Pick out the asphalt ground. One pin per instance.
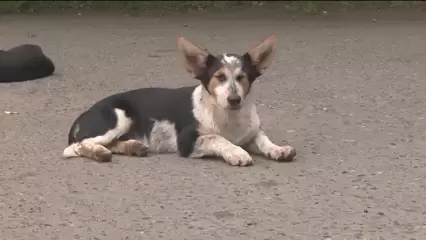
(349, 94)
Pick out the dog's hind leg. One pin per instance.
(102, 153)
(89, 150)
(96, 134)
(261, 144)
(129, 147)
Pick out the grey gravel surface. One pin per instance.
(349, 95)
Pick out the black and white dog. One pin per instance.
(23, 63)
(216, 118)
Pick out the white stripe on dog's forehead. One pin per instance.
(230, 59)
(231, 62)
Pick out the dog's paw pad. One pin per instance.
(102, 156)
(283, 154)
(138, 149)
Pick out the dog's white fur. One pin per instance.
(223, 130)
(228, 133)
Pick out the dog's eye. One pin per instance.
(221, 78)
(240, 78)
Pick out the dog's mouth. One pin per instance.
(234, 107)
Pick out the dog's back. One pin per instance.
(24, 62)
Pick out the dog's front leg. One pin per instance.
(261, 144)
(216, 145)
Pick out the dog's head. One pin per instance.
(228, 77)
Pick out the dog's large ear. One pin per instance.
(195, 57)
(263, 54)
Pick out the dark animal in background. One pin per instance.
(23, 63)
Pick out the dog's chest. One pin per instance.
(239, 131)
(236, 128)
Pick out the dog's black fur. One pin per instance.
(141, 105)
(23, 63)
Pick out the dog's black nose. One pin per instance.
(234, 100)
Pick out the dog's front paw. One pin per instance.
(283, 154)
(238, 157)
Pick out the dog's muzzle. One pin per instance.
(234, 101)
